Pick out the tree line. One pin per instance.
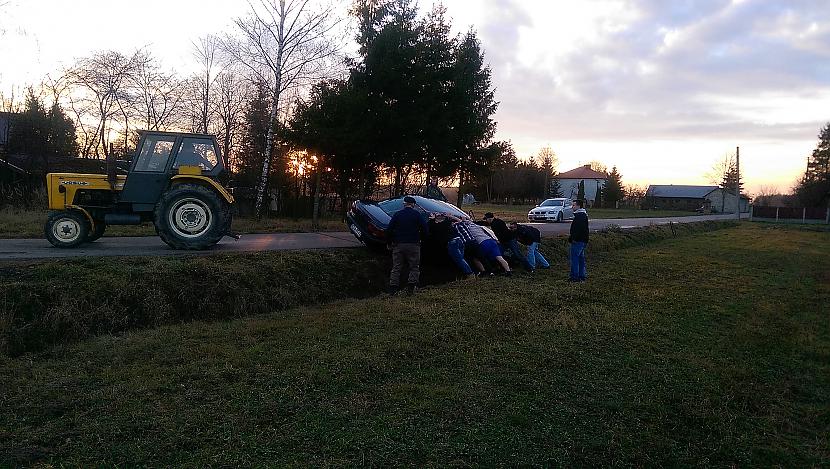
(295, 116)
(415, 104)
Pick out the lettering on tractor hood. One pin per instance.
(74, 183)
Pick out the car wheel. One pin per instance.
(66, 229)
(191, 217)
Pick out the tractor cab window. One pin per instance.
(197, 152)
(154, 154)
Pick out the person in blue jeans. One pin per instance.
(445, 234)
(506, 238)
(579, 241)
(530, 237)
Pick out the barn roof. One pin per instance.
(583, 172)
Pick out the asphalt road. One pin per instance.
(14, 249)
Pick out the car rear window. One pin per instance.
(391, 206)
(425, 205)
(431, 205)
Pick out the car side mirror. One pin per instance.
(537, 205)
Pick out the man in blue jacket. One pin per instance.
(579, 241)
(406, 231)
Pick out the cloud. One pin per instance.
(652, 69)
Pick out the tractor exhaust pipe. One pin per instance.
(122, 219)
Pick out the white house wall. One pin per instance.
(570, 188)
(724, 202)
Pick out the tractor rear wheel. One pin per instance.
(66, 229)
(191, 216)
(97, 232)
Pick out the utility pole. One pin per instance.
(738, 182)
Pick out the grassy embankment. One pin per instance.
(61, 301)
(29, 224)
(712, 349)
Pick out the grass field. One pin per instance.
(519, 212)
(709, 350)
(29, 224)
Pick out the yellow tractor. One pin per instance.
(173, 182)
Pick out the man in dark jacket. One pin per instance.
(506, 237)
(406, 231)
(579, 241)
(530, 237)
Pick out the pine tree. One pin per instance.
(556, 186)
(614, 191)
(248, 162)
(730, 175)
(580, 194)
(472, 106)
(42, 134)
(814, 188)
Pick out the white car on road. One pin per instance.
(552, 210)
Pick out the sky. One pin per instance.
(660, 88)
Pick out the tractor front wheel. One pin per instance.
(66, 229)
(191, 217)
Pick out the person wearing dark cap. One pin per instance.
(579, 241)
(506, 237)
(406, 231)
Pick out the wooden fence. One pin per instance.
(791, 214)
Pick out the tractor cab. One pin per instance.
(160, 156)
(173, 182)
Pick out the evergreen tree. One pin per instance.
(547, 161)
(39, 133)
(473, 106)
(580, 194)
(730, 175)
(614, 191)
(248, 162)
(392, 74)
(813, 189)
(556, 186)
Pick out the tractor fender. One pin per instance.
(86, 214)
(179, 178)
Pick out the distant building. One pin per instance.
(594, 181)
(705, 198)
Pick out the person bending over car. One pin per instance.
(486, 245)
(507, 238)
(530, 237)
(406, 231)
(444, 233)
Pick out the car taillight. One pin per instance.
(375, 231)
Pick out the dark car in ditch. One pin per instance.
(368, 220)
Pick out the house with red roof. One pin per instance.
(593, 180)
